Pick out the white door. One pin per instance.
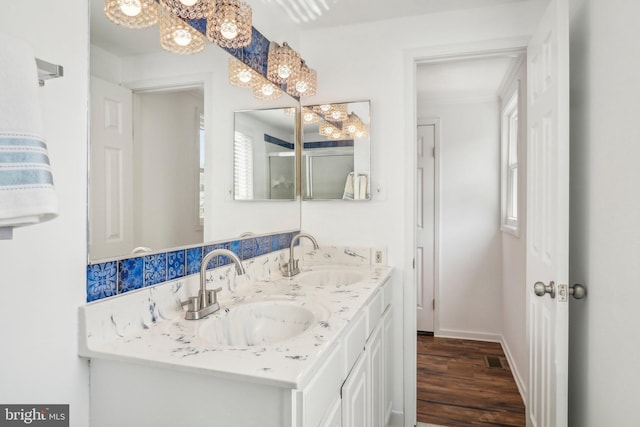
(548, 217)
(111, 152)
(425, 226)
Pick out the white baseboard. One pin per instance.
(514, 370)
(468, 335)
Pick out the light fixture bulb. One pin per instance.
(336, 115)
(351, 128)
(130, 7)
(308, 117)
(188, 2)
(325, 107)
(284, 71)
(267, 89)
(229, 30)
(302, 86)
(244, 76)
(182, 37)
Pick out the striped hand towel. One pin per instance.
(26, 184)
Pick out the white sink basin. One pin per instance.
(337, 277)
(260, 323)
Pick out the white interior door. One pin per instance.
(548, 217)
(111, 159)
(425, 226)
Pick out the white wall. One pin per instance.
(376, 72)
(42, 278)
(167, 172)
(514, 325)
(605, 208)
(469, 303)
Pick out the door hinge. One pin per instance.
(433, 304)
(414, 263)
(433, 152)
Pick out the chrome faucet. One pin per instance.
(206, 302)
(291, 268)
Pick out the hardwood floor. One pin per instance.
(457, 388)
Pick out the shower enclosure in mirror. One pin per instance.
(336, 153)
(264, 154)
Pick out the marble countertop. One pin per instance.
(149, 327)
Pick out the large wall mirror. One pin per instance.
(162, 148)
(336, 156)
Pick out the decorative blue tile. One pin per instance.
(111, 278)
(263, 245)
(221, 260)
(236, 248)
(130, 274)
(155, 269)
(248, 248)
(175, 264)
(101, 280)
(194, 257)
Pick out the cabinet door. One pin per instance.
(376, 378)
(334, 415)
(387, 377)
(355, 396)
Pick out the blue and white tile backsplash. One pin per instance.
(111, 278)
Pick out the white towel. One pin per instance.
(26, 184)
(348, 187)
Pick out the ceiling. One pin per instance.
(462, 80)
(119, 40)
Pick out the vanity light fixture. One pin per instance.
(362, 132)
(241, 75)
(283, 63)
(176, 35)
(352, 124)
(229, 23)
(264, 89)
(308, 116)
(188, 9)
(326, 128)
(132, 13)
(305, 84)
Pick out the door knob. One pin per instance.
(541, 289)
(577, 291)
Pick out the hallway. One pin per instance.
(457, 386)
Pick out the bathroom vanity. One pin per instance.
(310, 350)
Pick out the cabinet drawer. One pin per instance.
(354, 341)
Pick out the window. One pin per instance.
(243, 166)
(510, 165)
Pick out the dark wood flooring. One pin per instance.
(457, 388)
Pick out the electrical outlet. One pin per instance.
(378, 257)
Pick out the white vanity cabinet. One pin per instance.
(348, 385)
(366, 393)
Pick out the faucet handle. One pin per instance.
(191, 304)
(213, 295)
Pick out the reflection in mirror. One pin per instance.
(336, 159)
(264, 154)
(137, 198)
(146, 153)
